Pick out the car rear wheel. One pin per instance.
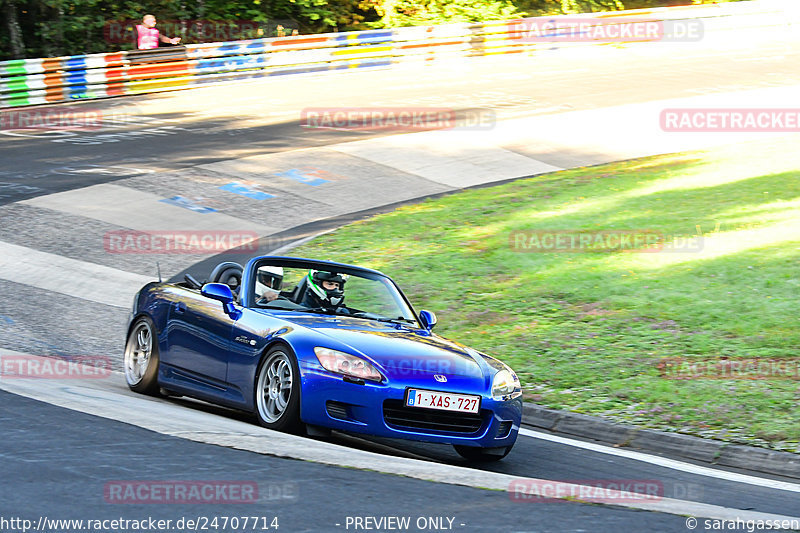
(278, 391)
(141, 358)
(484, 455)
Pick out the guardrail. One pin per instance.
(42, 81)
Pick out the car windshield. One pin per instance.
(328, 290)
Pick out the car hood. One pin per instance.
(397, 349)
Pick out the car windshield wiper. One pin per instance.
(322, 310)
(400, 321)
(344, 311)
(283, 306)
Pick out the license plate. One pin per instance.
(444, 401)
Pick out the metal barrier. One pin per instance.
(41, 81)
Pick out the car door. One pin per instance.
(250, 337)
(199, 337)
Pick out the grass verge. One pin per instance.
(587, 331)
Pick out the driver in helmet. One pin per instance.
(324, 289)
(269, 280)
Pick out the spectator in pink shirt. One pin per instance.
(149, 36)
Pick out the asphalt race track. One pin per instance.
(69, 473)
(64, 292)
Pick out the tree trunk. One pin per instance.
(14, 31)
(60, 31)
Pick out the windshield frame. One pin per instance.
(247, 289)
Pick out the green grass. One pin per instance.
(586, 331)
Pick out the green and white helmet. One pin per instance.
(326, 297)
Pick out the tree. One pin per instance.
(424, 12)
(9, 10)
(42, 28)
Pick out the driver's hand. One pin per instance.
(267, 297)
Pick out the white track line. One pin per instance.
(666, 463)
(64, 275)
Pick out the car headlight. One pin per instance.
(505, 383)
(346, 364)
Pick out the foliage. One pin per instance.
(424, 12)
(46, 28)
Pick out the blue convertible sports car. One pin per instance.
(307, 345)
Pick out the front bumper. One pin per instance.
(377, 409)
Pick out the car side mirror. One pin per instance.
(222, 293)
(428, 319)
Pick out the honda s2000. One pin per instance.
(309, 344)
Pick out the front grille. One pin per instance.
(337, 410)
(395, 413)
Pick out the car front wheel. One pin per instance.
(277, 391)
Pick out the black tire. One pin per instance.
(277, 391)
(480, 455)
(141, 359)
